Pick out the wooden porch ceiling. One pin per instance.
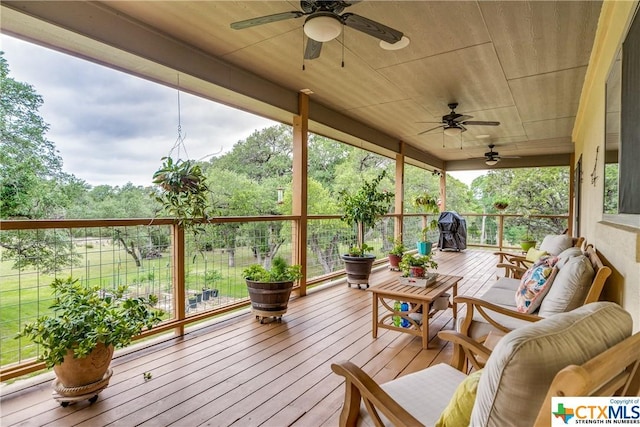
(521, 63)
(239, 372)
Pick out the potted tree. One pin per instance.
(429, 205)
(183, 192)
(270, 289)
(396, 253)
(363, 208)
(79, 338)
(500, 203)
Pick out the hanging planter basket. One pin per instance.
(183, 191)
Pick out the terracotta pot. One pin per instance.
(394, 261)
(78, 372)
(415, 271)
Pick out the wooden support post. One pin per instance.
(178, 272)
(399, 196)
(299, 199)
(572, 189)
(443, 191)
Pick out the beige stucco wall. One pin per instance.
(618, 245)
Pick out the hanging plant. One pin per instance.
(183, 191)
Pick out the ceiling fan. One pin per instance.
(491, 157)
(324, 22)
(454, 123)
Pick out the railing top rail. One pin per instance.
(38, 224)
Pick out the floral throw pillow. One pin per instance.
(535, 284)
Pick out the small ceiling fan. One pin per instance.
(324, 22)
(491, 158)
(454, 123)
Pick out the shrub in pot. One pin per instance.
(87, 324)
(362, 209)
(429, 205)
(396, 253)
(417, 265)
(270, 289)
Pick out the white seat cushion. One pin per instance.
(519, 372)
(424, 394)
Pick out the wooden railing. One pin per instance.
(180, 262)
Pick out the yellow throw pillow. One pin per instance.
(458, 411)
(534, 254)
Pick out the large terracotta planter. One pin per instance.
(358, 269)
(82, 378)
(78, 372)
(269, 299)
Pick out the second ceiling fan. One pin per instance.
(454, 123)
(324, 23)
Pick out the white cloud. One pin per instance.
(113, 128)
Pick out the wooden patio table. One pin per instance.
(421, 298)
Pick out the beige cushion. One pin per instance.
(570, 287)
(567, 254)
(554, 244)
(424, 394)
(517, 376)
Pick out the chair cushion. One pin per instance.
(424, 394)
(458, 411)
(566, 255)
(534, 254)
(570, 287)
(554, 244)
(535, 284)
(519, 372)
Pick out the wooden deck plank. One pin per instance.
(237, 371)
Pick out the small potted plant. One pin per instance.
(396, 253)
(270, 289)
(363, 208)
(183, 192)
(417, 265)
(79, 338)
(527, 241)
(429, 205)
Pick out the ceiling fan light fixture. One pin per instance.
(322, 27)
(400, 44)
(491, 162)
(452, 131)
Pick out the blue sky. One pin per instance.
(113, 128)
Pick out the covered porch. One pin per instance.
(234, 371)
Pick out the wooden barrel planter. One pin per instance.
(269, 299)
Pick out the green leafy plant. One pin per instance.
(413, 260)
(280, 271)
(398, 248)
(359, 251)
(85, 316)
(427, 204)
(183, 191)
(500, 203)
(365, 206)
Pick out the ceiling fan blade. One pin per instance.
(430, 122)
(312, 51)
(266, 19)
(429, 130)
(370, 27)
(480, 123)
(461, 117)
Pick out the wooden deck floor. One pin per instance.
(241, 373)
